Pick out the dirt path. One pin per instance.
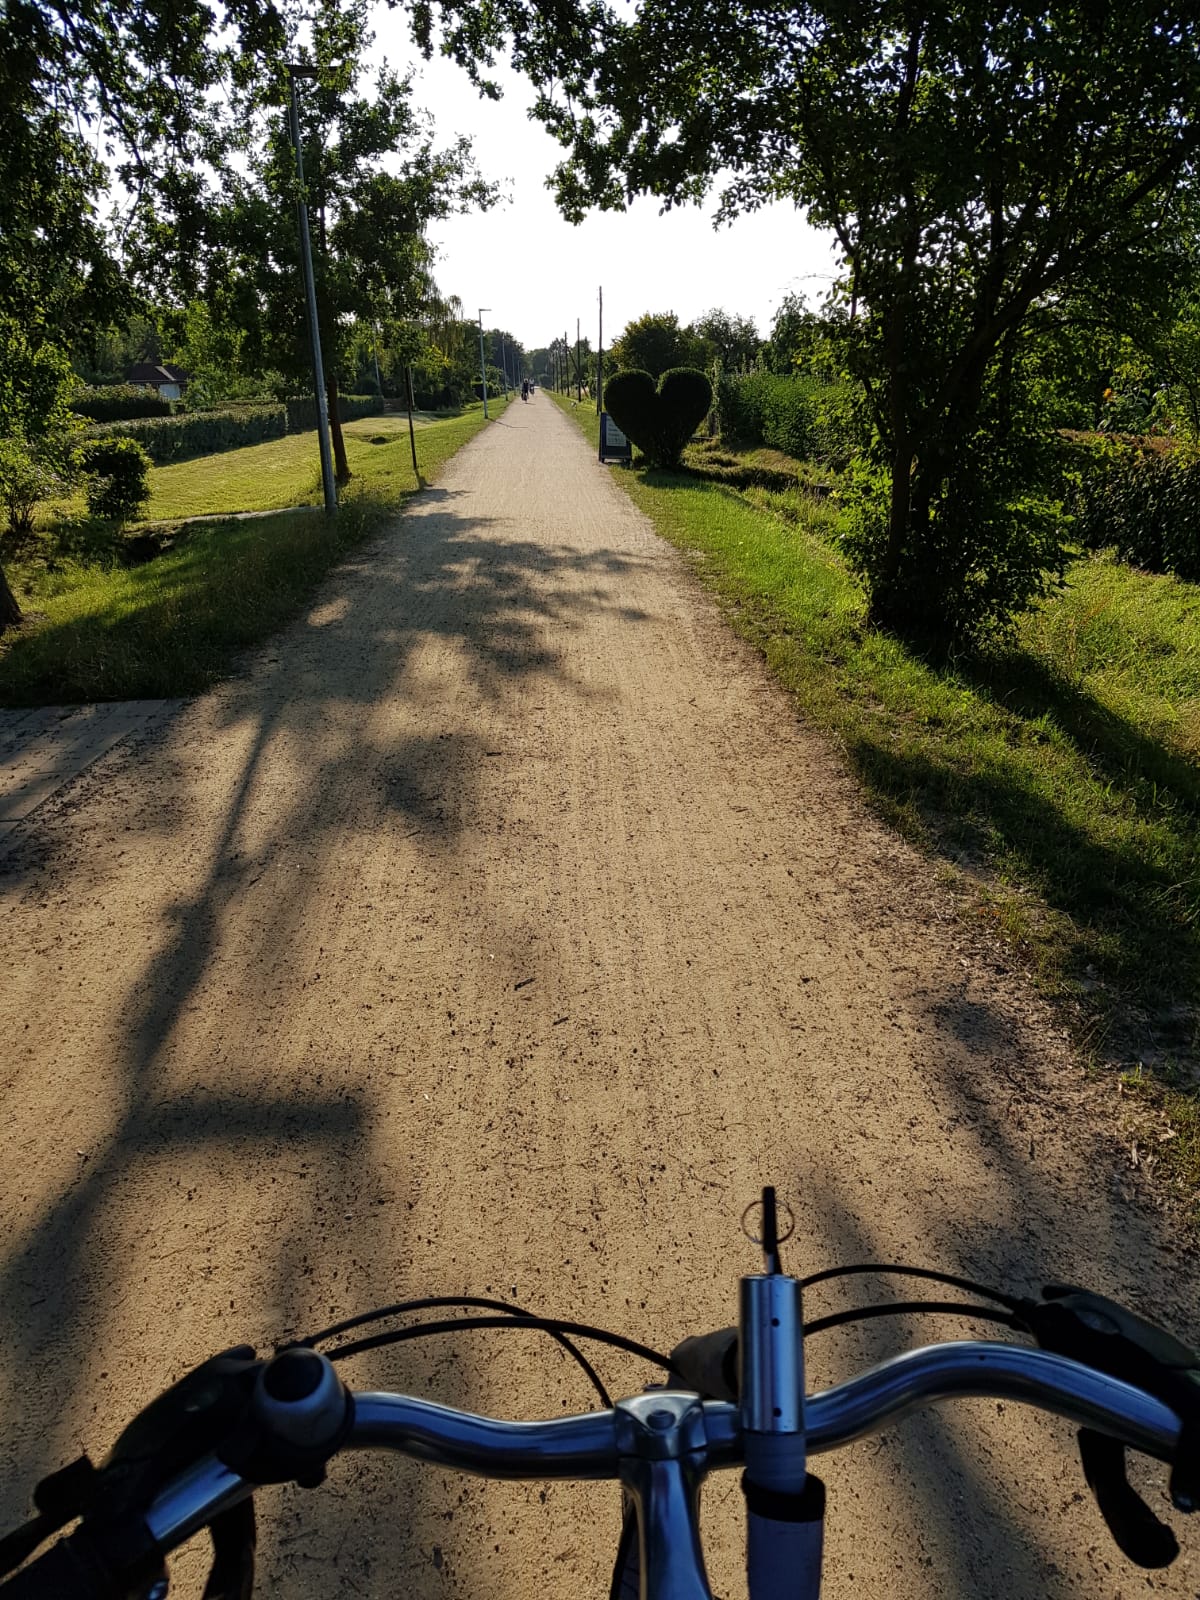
(502, 931)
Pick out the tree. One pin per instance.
(375, 180)
(979, 166)
(803, 340)
(731, 340)
(652, 343)
(36, 429)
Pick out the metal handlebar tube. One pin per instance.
(705, 1436)
(986, 1369)
(578, 1448)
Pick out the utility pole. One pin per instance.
(600, 355)
(412, 438)
(482, 362)
(578, 367)
(328, 481)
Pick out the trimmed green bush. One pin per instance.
(801, 416)
(1143, 498)
(302, 410)
(120, 402)
(168, 439)
(659, 419)
(116, 477)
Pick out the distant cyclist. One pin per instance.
(524, 388)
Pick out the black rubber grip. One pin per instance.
(67, 1571)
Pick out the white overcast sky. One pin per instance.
(537, 273)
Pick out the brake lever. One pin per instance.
(1103, 1334)
(174, 1431)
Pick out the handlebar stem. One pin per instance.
(663, 1453)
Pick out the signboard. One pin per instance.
(614, 446)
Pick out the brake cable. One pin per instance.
(434, 1302)
(1013, 1302)
(551, 1325)
(900, 1308)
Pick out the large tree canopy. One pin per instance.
(984, 168)
(374, 180)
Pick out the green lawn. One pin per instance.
(98, 628)
(1059, 779)
(287, 472)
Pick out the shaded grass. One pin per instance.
(100, 630)
(1058, 775)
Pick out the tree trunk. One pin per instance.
(10, 611)
(882, 610)
(341, 467)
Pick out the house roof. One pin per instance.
(152, 372)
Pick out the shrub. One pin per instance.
(116, 473)
(302, 409)
(120, 402)
(798, 415)
(1141, 498)
(985, 537)
(27, 477)
(167, 439)
(660, 420)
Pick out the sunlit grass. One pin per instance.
(102, 630)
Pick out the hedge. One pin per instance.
(800, 416)
(1141, 497)
(302, 410)
(119, 402)
(203, 433)
(116, 481)
(167, 439)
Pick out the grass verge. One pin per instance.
(98, 629)
(1058, 777)
(287, 472)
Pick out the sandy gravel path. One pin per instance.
(501, 930)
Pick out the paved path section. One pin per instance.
(501, 931)
(44, 749)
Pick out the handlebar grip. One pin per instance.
(69, 1570)
(708, 1364)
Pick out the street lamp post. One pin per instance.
(328, 481)
(482, 362)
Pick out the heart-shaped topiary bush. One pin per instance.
(661, 420)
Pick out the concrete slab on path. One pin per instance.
(43, 749)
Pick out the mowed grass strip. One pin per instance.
(1058, 777)
(287, 472)
(100, 630)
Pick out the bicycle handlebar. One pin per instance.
(586, 1447)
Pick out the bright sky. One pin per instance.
(537, 273)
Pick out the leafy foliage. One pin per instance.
(27, 477)
(730, 340)
(116, 475)
(801, 416)
(302, 410)
(652, 343)
(1143, 500)
(119, 402)
(987, 172)
(166, 439)
(659, 419)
